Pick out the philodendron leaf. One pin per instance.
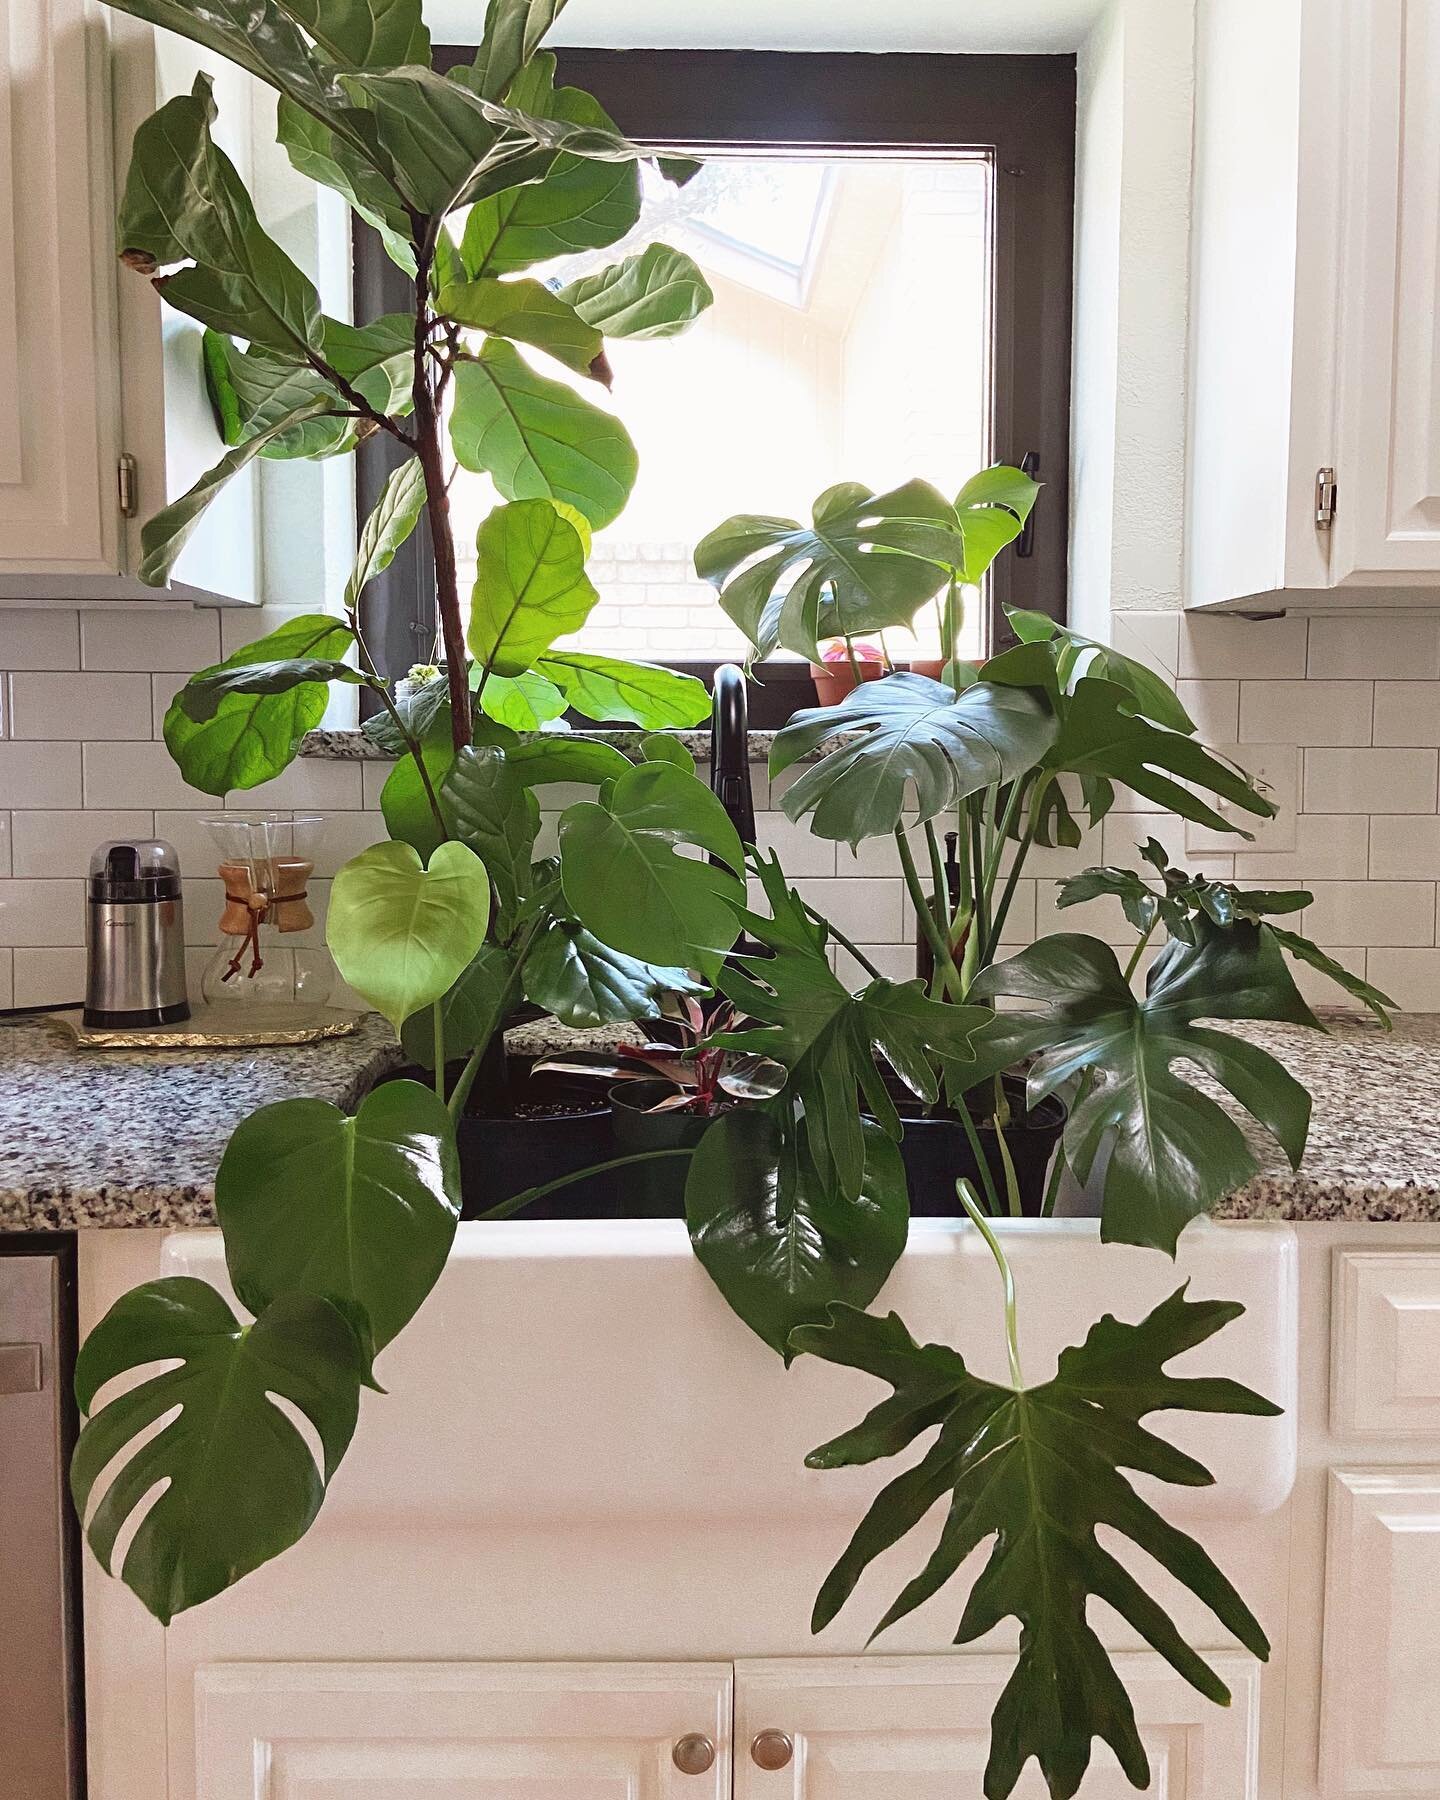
(585, 983)
(1038, 1472)
(357, 1210)
(1076, 655)
(392, 518)
(865, 563)
(538, 439)
(608, 688)
(251, 737)
(778, 1240)
(626, 881)
(401, 933)
(992, 508)
(241, 1484)
(915, 731)
(527, 312)
(491, 810)
(166, 534)
(185, 204)
(470, 1014)
(1173, 1150)
(530, 585)
(656, 294)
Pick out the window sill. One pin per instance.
(354, 746)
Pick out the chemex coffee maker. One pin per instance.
(134, 936)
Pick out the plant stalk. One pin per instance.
(844, 942)
(1139, 950)
(1012, 1336)
(977, 1150)
(939, 948)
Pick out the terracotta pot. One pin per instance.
(833, 681)
(933, 666)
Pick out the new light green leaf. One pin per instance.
(404, 802)
(779, 1241)
(656, 294)
(626, 881)
(522, 702)
(585, 983)
(538, 439)
(251, 737)
(918, 742)
(393, 517)
(359, 1210)
(528, 313)
(1038, 1473)
(530, 585)
(609, 688)
(240, 1482)
(401, 932)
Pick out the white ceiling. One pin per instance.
(798, 24)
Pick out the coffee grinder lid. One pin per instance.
(134, 869)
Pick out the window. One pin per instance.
(889, 241)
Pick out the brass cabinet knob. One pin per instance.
(772, 1749)
(693, 1754)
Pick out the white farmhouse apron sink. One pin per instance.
(567, 1374)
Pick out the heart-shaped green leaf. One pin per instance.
(537, 438)
(915, 735)
(1038, 1472)
(585, 983)
(530, 586)
(241, 1482)
(358, 1210)
(656, 294)
(778, 1241)
(401, 933)
(626, 882)
(365, 34)
(252, 736)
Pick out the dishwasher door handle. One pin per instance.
(21, 1371)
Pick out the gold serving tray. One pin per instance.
(217, 1028)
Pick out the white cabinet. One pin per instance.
(439, 1731)
(883, 1728)
(1315, 284)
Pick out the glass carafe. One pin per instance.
(266, 861)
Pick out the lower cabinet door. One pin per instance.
(460, 1731)
(918, 1728)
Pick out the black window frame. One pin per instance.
(1020, 110)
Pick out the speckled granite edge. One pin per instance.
(354, 746)
(1307, 1200)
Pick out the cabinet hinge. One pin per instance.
(1326, 491)
(125, 482)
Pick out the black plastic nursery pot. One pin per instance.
(937, 1153)
(652, 1190)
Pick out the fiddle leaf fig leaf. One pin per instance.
(561, 757)
(865, 563)
(1173, 1150)
(471, 1013)
(656, 294)
(776, 1238)
(915, 731)
(250, 736)
(1037, 1473)
(393, 517)
(585, 983)
(491, 810)
(522, 702)
(625, 879)
(327, 157)
(530, 586)
(538, 439)
(201, 696)
(240, 1483)
(401, 932)
(527, 312)
(357, 1210)
(514, 31)
(364, 34)
(609, 688)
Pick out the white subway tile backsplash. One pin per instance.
(136, 775)
(307, 783)
(1404, 848)
(1407, 712)
(1328, 846)
(1214, 706)
(5, 846)
(39, 639)
(1101, 918)
(150, 637)
(1392, 781)
(1360, 913)
(35, 774)
(1410, 977)
(49, 977)
(79, 706)
(1151, 638)
(894, 961)
(867, 911)
(37, 914)
(799, 850)
(57, 844)
(7, 978)
(163, 689)
(1305, 712)
(1386, 646)
(1217, 646)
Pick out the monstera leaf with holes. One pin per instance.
(585, 983)
(1037, 1473)
(866, 562)
(917, 738)
(1172, 1150)
(240, 1481)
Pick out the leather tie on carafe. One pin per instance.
(248, 905)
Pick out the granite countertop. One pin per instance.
(354, 746)
(134, 1138)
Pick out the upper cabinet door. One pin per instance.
(59, 511)
(918, 1728)
(458, 1731)
(1387, 523)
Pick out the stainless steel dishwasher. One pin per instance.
(41, 1740)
